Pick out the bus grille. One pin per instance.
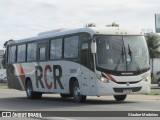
(128, 82)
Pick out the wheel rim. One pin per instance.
(77, 92)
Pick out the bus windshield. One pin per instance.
(122, 53)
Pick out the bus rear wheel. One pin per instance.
(78, 98)
(120, 97)
(30, 93)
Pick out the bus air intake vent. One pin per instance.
(133, 89)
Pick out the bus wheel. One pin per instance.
(65, 95)
(30, 93)
(120, 97)
(159, 83)
(78, 98)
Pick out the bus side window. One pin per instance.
(42, 53)
(21, 54)
(31, 51)
(56, 49)
(12, 54)
(71, 47)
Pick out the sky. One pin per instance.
(26, 18)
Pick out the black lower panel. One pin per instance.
(121, 90)
(14, 83)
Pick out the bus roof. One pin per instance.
(90, 30)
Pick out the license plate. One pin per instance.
(127, 91)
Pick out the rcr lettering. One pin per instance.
(57, 74)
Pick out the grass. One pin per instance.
(3, 87)
(153, 92)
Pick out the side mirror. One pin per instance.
(93, 47)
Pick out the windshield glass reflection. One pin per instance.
(122, 53)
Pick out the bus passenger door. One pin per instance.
(86, 67)
(42, 58)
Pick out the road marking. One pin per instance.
(145, 109)
(3, 109)
(63, 118)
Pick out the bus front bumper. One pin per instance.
(113, 88)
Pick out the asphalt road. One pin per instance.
(13, 100)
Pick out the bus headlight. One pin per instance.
(103, 79)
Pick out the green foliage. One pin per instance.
(153, 92)
(153, 42)
(4, 60)
(113, 25)
(3, 87)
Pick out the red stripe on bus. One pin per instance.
(110, 77)
(21, 74)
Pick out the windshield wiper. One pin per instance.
(122, 55)
(119, 60)
(131, 55)
(130, 52)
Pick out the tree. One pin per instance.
(153, 42)
(113, 25)
(4, 60)
(90, 25)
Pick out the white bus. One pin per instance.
(80, 62)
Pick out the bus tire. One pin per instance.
(65, 95)
(78, 98)
(158, 83)
(120, 97)
(30, 93)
